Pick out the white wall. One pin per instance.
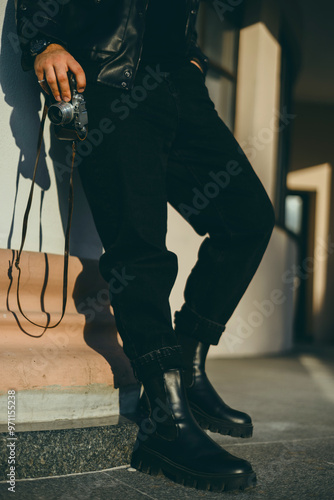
(20, 112)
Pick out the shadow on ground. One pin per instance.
(291, 399)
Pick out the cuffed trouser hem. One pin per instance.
(157, 361)
(188, 322)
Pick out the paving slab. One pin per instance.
(291, 400)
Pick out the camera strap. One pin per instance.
(67, 234)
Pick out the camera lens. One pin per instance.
(61, 114)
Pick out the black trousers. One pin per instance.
(164, 142)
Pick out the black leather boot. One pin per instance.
(171, 442)
(210, 411)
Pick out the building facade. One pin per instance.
(79, 368)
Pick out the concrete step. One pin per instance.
(67, 447)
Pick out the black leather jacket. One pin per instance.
(105, 36)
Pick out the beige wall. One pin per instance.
(267, 329)
(312, 137)
(320, 180)
(257, 103)
(252, 329)
(312, 146)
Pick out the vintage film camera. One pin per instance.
(70, 119)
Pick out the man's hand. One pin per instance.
(52, 65)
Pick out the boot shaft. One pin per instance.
(166, 403)
(194, 358)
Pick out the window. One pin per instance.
(286, 106)
(218, 38)
(293, 213)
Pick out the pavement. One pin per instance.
(291, 400)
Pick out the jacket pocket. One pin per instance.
(97, 29)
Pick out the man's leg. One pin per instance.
(213, 186)
(125, 182)
(124, 178)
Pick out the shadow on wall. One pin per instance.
(23, 96)
(22, 93)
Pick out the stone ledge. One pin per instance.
(76, 370)
(93, 445)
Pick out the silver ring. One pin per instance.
(40, 81)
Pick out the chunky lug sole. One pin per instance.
(217, 425)
(155, 464)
